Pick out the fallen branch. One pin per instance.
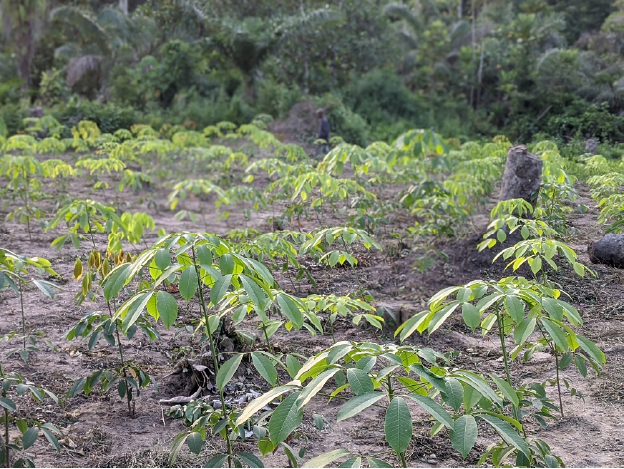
(181, 399)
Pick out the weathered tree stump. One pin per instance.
(609, 250)
(522, 176)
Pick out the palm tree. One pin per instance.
(100, 37)
(22, 25)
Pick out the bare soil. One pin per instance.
(97, 431)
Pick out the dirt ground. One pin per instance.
(97, 431)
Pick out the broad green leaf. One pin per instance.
(227, 370)
(398, 425)
(7, 404)
(454, 393)
(556, 333)
(438, 318)
(357, 404)
(132, 309)
(314, 386)
(590, 349)
(204, 255)
(285, 419)
(471, 315)
(352, 462)
(188, 283)
(195, 442)
(162, 259)
(265, 367)
(326, 458)
(515, 308)
(464, 434)
(359, 381)
(374, 462)
(290, 310)
(507, 433)
(116, 280)
(265, 446)
(167, 308)
(30, 437)
(292, 366)
(216, 461)
(258, 403)
(433, 408)
(220, 288)
(46, 287)
(248, 458)
(506, 389)
(51, 437)
(254, 292)
(523, 330)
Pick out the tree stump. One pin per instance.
(609, 250)
(522, 176)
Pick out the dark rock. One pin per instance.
(522, 176)
(609, 250)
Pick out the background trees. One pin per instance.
(465, 67)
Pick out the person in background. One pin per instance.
(323, 134)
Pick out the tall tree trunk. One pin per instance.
(123, 6)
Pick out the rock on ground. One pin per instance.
(609, 250)
(522, 176)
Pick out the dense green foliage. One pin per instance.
(464, 68)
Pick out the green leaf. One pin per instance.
(438, 318)
(115, 281)
(292, 366)
(290, 310)
(590, 349)
(216, 461)
(188, 283)
(374, 462)
(265, 367)
(220, 288)
(314, 386)
(30, 437)
(352, 462)
(398, 425)
(579, 269)
(248, 458)
(255, 293)
(471, 315)
(285, 419)
(46, 287)
(265, 446)
(167, 308)
(536, 264)
(507, 433)
(327, 458)
(258, 403)
(357, 404)
(556, 333)
(360, 381)
(51, 437)
(436, 410)
(454, 393)
(204, 255)
(195, 442)
(227, 370)
(523, 330)
(8, 404)
(506, 389)
(515, 308)
(162, 259)
(464, 434)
